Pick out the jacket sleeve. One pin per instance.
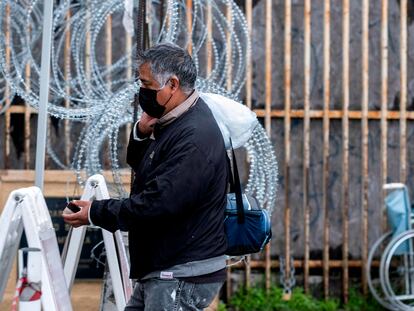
(136, 150)
(175, 185)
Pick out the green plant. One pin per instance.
(253, 298)
(221, 307)
(358, 302)
(256, 299)
(302, 301)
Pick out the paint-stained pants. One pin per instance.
(172, 295)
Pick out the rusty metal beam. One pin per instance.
(209, 49)
(229, 17)
(306, 139)
(299, 114)
(229, 86)
(128, 52)
(325, 177)
(7, 116)
(189, 20)
(106, 150)
(27, 114)
(334, 114)
(345, 149)
(365, 132)
(384, 108)
(67, 74)
(249, 20)
(313, 264)
(268, 103)
(403, 90)
(287, 121)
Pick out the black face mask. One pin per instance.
(148, 102)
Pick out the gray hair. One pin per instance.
(168, 59)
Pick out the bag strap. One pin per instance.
(243, 259)
(235, 186)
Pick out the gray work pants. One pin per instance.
(172, 295)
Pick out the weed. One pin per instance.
(257, 299)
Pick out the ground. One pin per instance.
(85, 296)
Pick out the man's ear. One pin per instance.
(174, 83)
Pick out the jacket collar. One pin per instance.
(172, 115)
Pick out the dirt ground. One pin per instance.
(85, 296)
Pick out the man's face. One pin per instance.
(148, 81)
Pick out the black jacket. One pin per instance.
(175, 213)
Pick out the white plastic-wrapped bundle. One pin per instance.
(235, 120)
(239, 123)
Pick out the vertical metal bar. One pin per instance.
(148, 24)
(7, 94)
(306, 138)
(27, 113)
(325, 181)
(268, 69)
(403, 91)
(44, 93)
(161, 12)
(345, 149)
(228, 282)
(128, 51)
(384, 99)
(406, 276)
(229, 86)
(249, 20)
(140, 33)
(88, 43)
(209, 50)
(248, 271)
(229, 16)
(364, 129)
(410, 262)
(108, 63)
(167, 16)
(7, 123)
(268, 107)
(287, 103)
(67, 74)
(108, 49)
(403, 108)
(48, 142)
(189, 16)
(410, 288)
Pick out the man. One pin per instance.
(175, 213)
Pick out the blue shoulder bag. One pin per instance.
(248, 227)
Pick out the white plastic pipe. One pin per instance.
(44, 94)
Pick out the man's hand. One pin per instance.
(146, 124)
(80, 218)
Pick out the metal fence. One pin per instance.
(318, 71)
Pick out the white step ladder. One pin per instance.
(26, 210)
(96, 189)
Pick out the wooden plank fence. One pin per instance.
(278, 113)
